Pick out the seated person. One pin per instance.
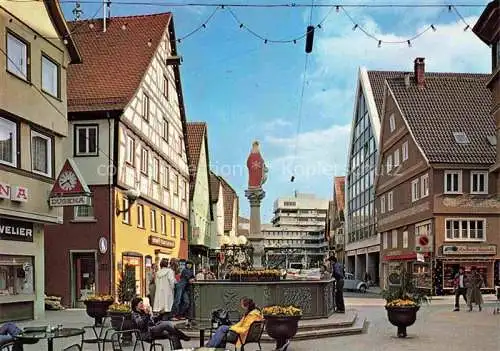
(226, 333)
(8, 333)
(151, 329)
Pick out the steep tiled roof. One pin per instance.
(196, 132)
(229, 203)
(114, 62)
(377, 82)
(449, 102)
(339, 192)
(214, 187)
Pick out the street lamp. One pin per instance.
(132, 195)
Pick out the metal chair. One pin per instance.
(7, 346)
(253, 336)
(284, 347)
(74, 347)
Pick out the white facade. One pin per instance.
(217, 228)
(301, 210)
(162, 175)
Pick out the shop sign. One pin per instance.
(103, 245)
(351, 253)
(373, 249)
(469, 249)
(361, 251)
(157, 241)
(70, 189)
(16, 230)
(14, 193)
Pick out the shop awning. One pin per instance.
(412, 256)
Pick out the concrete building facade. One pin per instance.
(300, 210)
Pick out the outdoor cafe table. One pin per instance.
(32, 337)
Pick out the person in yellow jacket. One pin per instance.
(227, 333)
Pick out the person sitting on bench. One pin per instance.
(238, 331)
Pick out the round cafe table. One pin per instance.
(32, 337)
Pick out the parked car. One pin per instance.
(353, 284)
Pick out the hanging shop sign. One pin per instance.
(103, 245)
(16, 230)
(158, 241)
(469, 250)
(70, 189)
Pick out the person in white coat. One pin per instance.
(164, 294)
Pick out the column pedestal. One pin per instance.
(255, 236)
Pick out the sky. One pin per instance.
(246, 89)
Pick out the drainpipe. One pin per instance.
(111, 171)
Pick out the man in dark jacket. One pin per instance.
(8, 333)
(151, 329)
(338, 273)
(182, 301)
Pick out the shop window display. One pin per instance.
(422, 275)
(16, 275)
(450, 270)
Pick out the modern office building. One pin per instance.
(362, 247)
(300, 210)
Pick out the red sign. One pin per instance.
(69, 181)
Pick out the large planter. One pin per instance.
(281, 328)
(402, 317)
(97, 310)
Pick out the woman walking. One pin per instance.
(164, 291)
(474, 284)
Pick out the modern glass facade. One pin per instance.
(361, 174)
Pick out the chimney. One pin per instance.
(407, 80)
(419, 70)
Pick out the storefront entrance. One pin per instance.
(83, 276)
(133, 270)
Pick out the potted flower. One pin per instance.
(403, 300)
(121, 316)
(97, 306)
(282, 323)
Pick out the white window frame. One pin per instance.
(460, 229)
(390, 201)
(166, 87)
(146, 106)
(48, 155)
(415, 190)
(404, 151)
(396, 158)
(144, 160)
(459, 185)
(140, 216)
(18, 66)
(405, 239)
(185, 192)
(479, 173)
(130, 150)
(52, 88)
(181, 234)
(166, 177)
(87, 151)
(153, 220)
(166, 130)
(382, 203)
(392, 122)
(424, 186)
(177, 185)
(173, 226)
(394, 239)
(163, 224)
(7, 123)
(76, 217)
(156, 169)
(385, 240)
(389, 163)
(126, 214)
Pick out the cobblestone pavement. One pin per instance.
(437, 329)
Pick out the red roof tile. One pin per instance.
(196, 134)
(114, 62)
(340, 193)
(229, 203)
(214, 187)
(449, 103)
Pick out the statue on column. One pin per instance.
(257, 170)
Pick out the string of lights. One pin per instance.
(271, 5)
(201, 26)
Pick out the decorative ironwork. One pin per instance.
(300, 297)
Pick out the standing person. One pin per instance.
(460, 288)
(164, 290)
(474, 284)
(152, 285)
(338, 274)
(182, 300)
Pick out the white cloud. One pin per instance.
(277, 124)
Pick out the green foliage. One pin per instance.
(403, 287)
(126, 285)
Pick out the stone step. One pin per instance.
(337, 325)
